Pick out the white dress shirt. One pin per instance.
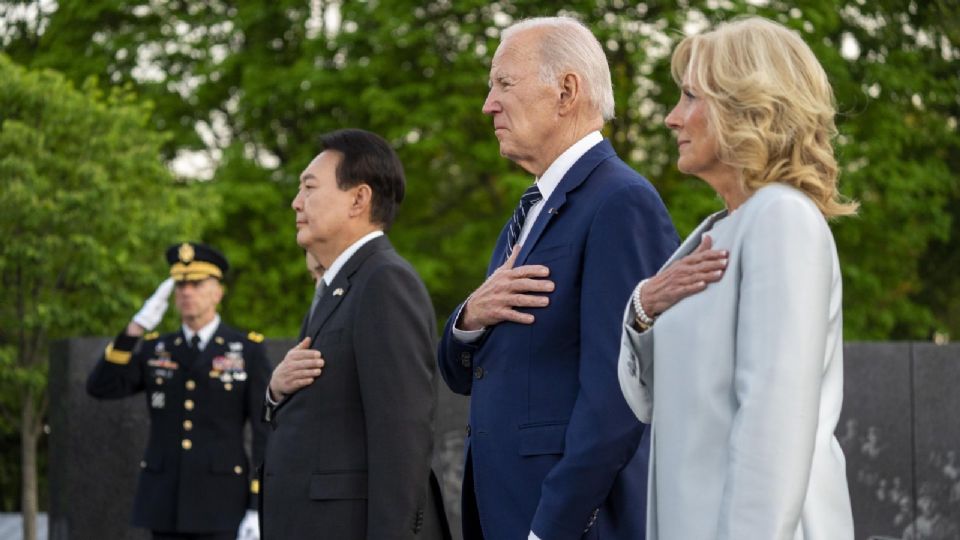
(205, 333)
(547, 183)
(342, 259)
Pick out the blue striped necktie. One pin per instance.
(529, 198)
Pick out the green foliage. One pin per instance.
(85, 206)
(263, 79)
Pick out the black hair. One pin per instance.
(369, 159)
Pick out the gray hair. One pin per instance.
(568, 45)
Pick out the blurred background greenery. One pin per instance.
(128, 125)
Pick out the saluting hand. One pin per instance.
(153, 308)
(683, 278)
(506, 289)
(299, 368)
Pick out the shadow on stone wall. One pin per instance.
(898, 430)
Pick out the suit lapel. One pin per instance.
(338, 290)
(693, 239)
(551, 208)
(303, 327)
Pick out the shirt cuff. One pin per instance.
(270, 401)
(466, 336)
(533, 536)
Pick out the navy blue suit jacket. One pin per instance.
(551, 438)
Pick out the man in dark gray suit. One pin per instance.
(349, 453)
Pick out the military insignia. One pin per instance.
(235, 346)
(218, 340)
(151, 335)
(231, 362)
(158, 400)
(186, 253)
(160, 348)
(255, 337)
(178, 341)
(229, 367)
(338, 291)
(162, 363)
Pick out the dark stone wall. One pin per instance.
(899, 431)
(901, 437)
(95, 450)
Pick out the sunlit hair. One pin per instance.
(567, 45)
(770, 106)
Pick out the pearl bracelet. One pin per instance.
(642, 317)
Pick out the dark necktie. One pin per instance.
(317, 295)
(529, 198)
(193, 351)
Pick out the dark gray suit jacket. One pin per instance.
(349, 456)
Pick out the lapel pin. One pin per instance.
(553, 211)
(338, 291)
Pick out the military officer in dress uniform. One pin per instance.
(202, 384)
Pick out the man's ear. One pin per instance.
(570, 88)
(218, 290)
(362, 200)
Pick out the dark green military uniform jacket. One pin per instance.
(195, 475)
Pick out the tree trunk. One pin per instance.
(29, 435)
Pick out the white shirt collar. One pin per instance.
(205, 333)
(560, 166)
(342, 259)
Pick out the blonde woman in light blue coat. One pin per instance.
(734, 350)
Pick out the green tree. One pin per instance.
(255, 82)
(85, 206)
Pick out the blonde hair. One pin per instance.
(770, 106)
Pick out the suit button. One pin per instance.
(468, 430)
(143, 464)
(186, 444)
(465, 359)
(188, 404)
(478, 373)
(159, 381)
(228, 387)
(187, 425)
(238, 470)
(191, 385)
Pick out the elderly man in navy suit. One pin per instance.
(553, 452)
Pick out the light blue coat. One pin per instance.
(743, 383)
